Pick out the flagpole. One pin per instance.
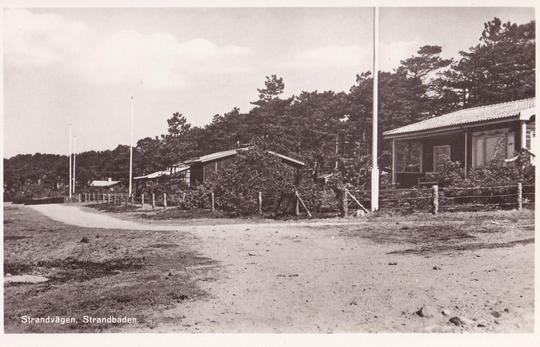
(374, 130)
(74, 162)
(131, 149)
(70, 163)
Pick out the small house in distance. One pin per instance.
(475, 137)
(105, 185)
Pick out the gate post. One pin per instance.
(344, 203)
(435, 203)
(520, 196)
(296, 204)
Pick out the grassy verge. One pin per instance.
(94, 272)
(447, 232)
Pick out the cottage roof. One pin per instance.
(216, 155)
(99, 183)
(157, 174)
(519, 109)
(233, 152)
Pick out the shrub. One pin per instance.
(496, 174)
(193, 198)
(236, 187)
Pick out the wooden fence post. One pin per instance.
(164, 200)
(435, 199)
(153, 200)
(212, 207)
(344, 203)
(296, 204)
(259, 201)
(520, 196)
(132, 199)
(142, 200)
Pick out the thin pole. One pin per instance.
(70, 163)
(393, 163)
(131, 148)
(74, 162)
(374, 130)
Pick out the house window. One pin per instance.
(440, 155)
(531, 136)
(491, 147)
(408, 156)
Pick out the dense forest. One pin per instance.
(328, 130)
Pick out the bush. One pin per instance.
(236, 187)
(497, 174)
(193, 198)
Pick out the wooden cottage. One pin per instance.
(475, 137)
(206, 166)
(197, 170)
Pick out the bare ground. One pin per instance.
(333, 275)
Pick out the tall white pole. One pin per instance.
(70, 162)
(74, 162)
(375, 166)
(131, 149)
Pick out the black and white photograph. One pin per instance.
(270, 169)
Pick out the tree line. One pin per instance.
(329, 131)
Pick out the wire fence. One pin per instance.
(327, 201)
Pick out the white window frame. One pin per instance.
(484, 135)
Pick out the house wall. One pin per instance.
(456, 140)
(196, 174)
(200, 172)
(210, 169)
(457, 149)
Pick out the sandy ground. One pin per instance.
(335, 276)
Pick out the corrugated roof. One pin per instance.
(468, 116)
(232, 152)
(219, 155)
(157, 174)
(289, 159)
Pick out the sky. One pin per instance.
(80, 66)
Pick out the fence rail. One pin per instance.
(432, 199)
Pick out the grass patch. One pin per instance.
(446, 232)
(115, 273)
(463, 247)
(114, 208)
(15, 237)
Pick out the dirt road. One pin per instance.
(85, 217)
(368, 275)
